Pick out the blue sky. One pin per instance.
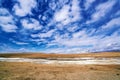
(59, 26)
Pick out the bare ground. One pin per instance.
(43, 55)
(32, 71)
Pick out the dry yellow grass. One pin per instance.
(42, 55)
(31, 71)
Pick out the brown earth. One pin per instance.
(42, 55)
(31, 71)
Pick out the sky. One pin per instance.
(59, 26)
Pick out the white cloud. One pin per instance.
(52, 5)
(21, 43)
(18, 42)
(88, 3)
(113, 23)
(4, 12)
(75, 10)
(9, 27)
(6, 21)
(71, 41)
(72, 28)
(102, 10)
(36, 40)
(79, 34)
(66, 50)
(24, 7)
(108, 42)
(68, 13)
(44, 35)
(5, 16)
(78, 39)
(31, 24)
(39, 40)
(62, 14)
(82, 42)
(48, 34)
(117, 13)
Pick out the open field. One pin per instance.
(21, 67)
(31, 71)
(42, 55)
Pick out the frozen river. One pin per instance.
(85, 60)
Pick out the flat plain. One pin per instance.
(60, 55)
(33, 71)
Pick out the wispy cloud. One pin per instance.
(19, 42)
(84, 43)
(101, 10)
(61, 26)
(44, 35)
(113, 23)
(31, 24)
(6, 21)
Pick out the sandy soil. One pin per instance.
(34, 71)
(31, 71)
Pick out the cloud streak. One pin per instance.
(63, 26)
